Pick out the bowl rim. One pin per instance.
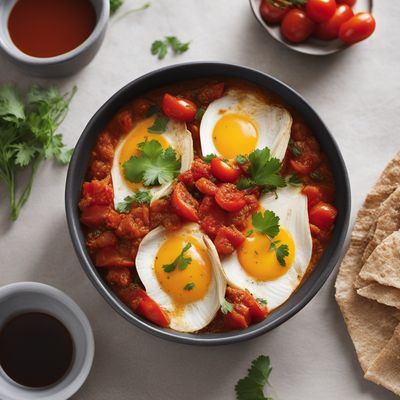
(7, 45)
(74, 226)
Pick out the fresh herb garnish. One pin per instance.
(226, 307)
(316, 176)
(296, 150)
(252, 386)
(154, 109)
(28, 136)
(241, 159)
(154, 166)
(261, 301)
(209, 157)
(159, 125)
(160, 47)
(249, 233)
(139, 197)
(189, 286)
(294, 180)
(268, 224)
(199, 114)
(115, 5)
(181, 262)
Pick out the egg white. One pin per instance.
(198, 314)
(179, 138)
(291, 208)
(273, 122)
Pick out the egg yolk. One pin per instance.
(259, 261)
(137, 135)
(188, 285)
(235, 134)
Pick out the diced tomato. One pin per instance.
(99, 169)
(94, 216)
(105, 147)
(323, 215)
(306, 163)
(184, 203)
(105, 239)
(140, 302)
(313, 194)
(207, 187)
(299, 131)
(178, 108)
(224, 171)
(162, 213)
(110, 257)
(186, 178)
(119, 276)
(212, 216)
(124, 122)
(140, 108)
(239, 218)
(211, 92)
(235, 321)
(233, 235)
(229, 198)
(134, 225)
(200, 169)
(97, 193)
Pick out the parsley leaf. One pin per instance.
(181, 262)
(241, 159)
(154, 166)
(251, 387)
(226, 307)
(139, 197)
(189, 286)
(294, 180)
(159, 125)
(267, 223)
(209, 157)
(297, 152)
(282, 251)
(160, 47)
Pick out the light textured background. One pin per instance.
(356, 93)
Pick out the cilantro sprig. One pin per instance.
(159, 125)
(28, 136)
(189, 286)
(226, 307)
(268, 224)
(153, 166)
(181, 262)
(252, 386)
(160, 48)
(139, 197)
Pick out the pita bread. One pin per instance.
(386, 295)
(385, 369)
(361, 314)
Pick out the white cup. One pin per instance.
(22, 297)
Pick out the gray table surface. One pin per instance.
(356, 92)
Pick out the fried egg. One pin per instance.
(192, 295)
(240, 122)
(255, 267)
(175, 136)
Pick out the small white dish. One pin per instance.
(22, 297)
(312, 46)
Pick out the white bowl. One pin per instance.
(24, 297)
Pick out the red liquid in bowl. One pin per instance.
(48, 28)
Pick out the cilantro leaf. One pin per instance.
(294, 180)
(267, 223)
(226, 307)
(115, 5)
(251, 387)
(281, 251)
(181, 262)
(241, 159)
(11, 106)
(139, 197)
(160, 47)
(199, 114)
(189, 286)
(316, 176)
(154, 166)
(153, 110)
(249, 233)
(159, 125)
(244, 183)
(296, 150)
(176, 45)
(25, 153)
(261, 301)
(209, 157)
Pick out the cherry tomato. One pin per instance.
(297, 26)
(314, 195)
(357, 28)
(207, 187)
(223, 171)
(184, 204)
(323, 215)
(229, 198)
(272, 14)
(320, 10)
(350, 3)
(178, 109)
(330, 29)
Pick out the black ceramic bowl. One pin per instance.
(79, 164)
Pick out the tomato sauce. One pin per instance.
(48, 28)
(219, 207)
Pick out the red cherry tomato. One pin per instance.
(223, 171)
(320, 10)
(272, 14)
(350, 3)
(297, 26)
(323, 215)
(206, 186)
(179, 109)
(357, 28)
(184, 204)
(229, 198)
(330, 29)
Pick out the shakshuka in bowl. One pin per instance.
(207, 202)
